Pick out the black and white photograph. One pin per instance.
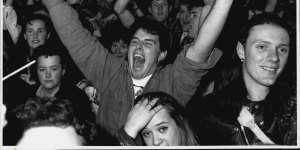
(140, 74)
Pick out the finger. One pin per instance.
(145, 102)
(153, 102)
(156, 109)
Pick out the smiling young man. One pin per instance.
(119, 81)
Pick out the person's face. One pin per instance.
(162, 131)
(209, 2)
(50, 136)
(71, 2)
(50, 71)
(265, 54)
(184, 15)
(36, 33)
(159, 10)
(144, 52)
(3, 113)
(119, 48)
(195, 15)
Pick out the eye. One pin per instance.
(133, 42)
(148, 44)
(283, 50)
(42, 69)
(146, 134)
(29, 31)
(162, 129)
(261, 46)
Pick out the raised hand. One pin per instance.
(140, 115)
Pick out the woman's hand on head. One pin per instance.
(140, 115)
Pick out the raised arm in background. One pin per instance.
(209, 31)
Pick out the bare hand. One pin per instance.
(139, 116)
(245, 118)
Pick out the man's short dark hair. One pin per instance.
(50, 49)
(155, 28)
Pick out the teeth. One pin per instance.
(269, 69)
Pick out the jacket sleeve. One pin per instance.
(187, 74)
(87, 52)
(124, 139)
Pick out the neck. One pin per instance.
(46, 92)
(256, 91)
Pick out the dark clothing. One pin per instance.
(80, 101)
(216, 116)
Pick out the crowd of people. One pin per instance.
(149, 72)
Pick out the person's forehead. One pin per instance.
(36, 22)
(196, 9)
(161, 117)
(142, 34)
(54, 59)
(159, 2)
(268, 32)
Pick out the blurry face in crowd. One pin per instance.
(265, 54)
(159, 10)
(195, 15)
(71, 2)
(162, 131)
(144, 52)
(36, 33)
(184, 16)
(209, 2)
(50, 136)
(119, 48)
(50, 71)
(3, 112)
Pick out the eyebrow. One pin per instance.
(148, 40)
(267, 42)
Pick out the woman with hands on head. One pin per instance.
(159, 120)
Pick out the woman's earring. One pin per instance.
(242, 59)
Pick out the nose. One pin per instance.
(274, 56)
(35, 35)
(156, 140)
(48, 74)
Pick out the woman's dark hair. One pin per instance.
(155, 28)
(43, 18)
(37, 112)
(176, 111)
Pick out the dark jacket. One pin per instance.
(80, 101)
(216, 116)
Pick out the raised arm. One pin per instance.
(209, 31)
(124, 14)
(87, 52)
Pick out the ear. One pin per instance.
(25, 37)
(48, 36)
(240, 51)
(162, 56)
(63, 71)
(149, 9)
